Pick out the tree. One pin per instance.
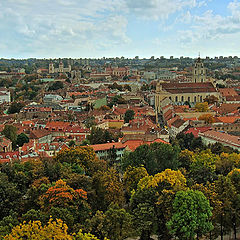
(56, 85)
(10, 132)
(227, 195)
(155, 157)
(201, 107)
(131, 177)
(109, 188)
(207, 118)
(151, 202)
(191, 215)
(15, 107)
(188, 141)
(99, 136)
(34, 230)
(21, 139)
(211, 99)
(117, 223)
(9, 197)
(61, 195)
(62, 201)
(129, 115)
(203, 167)
(71, 143)
(84, 156)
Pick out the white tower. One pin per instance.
(199, 71)
(51, 68)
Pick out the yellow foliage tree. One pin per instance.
(201, 107)
(175, 179)
(132, 176)
(35, 231)
(207, 118)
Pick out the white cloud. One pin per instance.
(60, 27)
(158, 9)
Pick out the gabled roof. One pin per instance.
(188, 87)
(39, 133)
(221, 137)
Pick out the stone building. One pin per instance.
(199, 72)
(179, 93)
(60, 69)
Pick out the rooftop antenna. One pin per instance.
(199, 54)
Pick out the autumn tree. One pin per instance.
(191, 215)
(60, 200)
(201, 107)
(131, 177)
(34, 230)
(84, 156)
(211, 99)
(109, 189)
(207, 118)
(151, 203)
(203, 167)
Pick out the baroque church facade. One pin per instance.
(193, 92)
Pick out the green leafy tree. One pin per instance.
(155, 157)
(118, 223)
(21, 139)
(129, 115)
(10, 132)
(15, 107)
(56, 85)
(191, 215)
(9, 197)
(99, 136)
(203, 167)
(151, 203)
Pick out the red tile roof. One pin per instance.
(227, 92)
(133, 144)
(107, 146)
(188, 87)
(197, 130)
(224, 138)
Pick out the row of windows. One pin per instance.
(182, 99)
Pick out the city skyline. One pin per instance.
(97, 28)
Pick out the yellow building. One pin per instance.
(179, 93)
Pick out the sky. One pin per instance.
(115, 28)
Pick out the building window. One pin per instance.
(188, 99)
(182, 99)
(195, 99)
(200, 98)
(176, 99)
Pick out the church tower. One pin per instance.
(51, 68)
(61, 67)
(199, 71)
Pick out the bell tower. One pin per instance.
(51, 68)
(199, 71)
